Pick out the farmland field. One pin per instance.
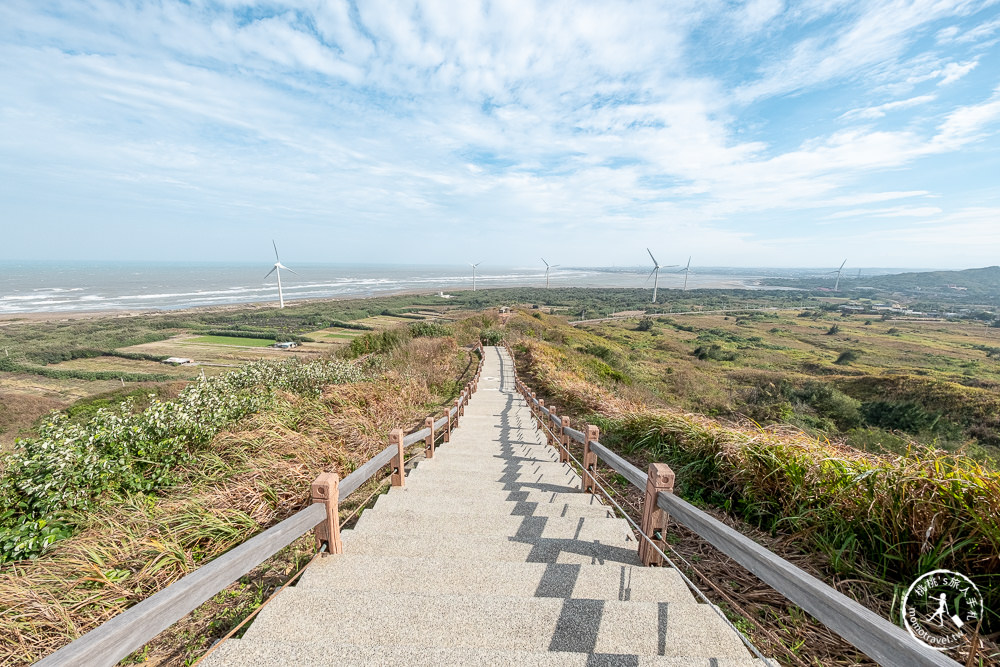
(231, 340)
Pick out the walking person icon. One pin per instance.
(941, 610)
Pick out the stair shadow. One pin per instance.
(580, 619)
(543, 550)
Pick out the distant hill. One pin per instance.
(979, 286)
(970, 286)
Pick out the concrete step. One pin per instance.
(466, 526)
(497, 622)
(460, 496)
(401, 574)
(482, 548)
(323, 653)
(456, 484)
(458, 456)
(446, 461)
(489, 506)
(555, 473)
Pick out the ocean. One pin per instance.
(52, 287)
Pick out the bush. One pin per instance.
(350, 325)
(9, 365)
(645, 324)
(904, 416)
(714, 352)
(830, 402)
(846, 357)
(260, 335)
(833, 330)
(377, 342)
(429, 329)
(491, 336)
(598, 351)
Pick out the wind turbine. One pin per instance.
(655, 272)
(474, 274)
(277, 270)
(836, 286)
(547, 267)
(686, 271)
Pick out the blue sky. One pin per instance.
(745, 134)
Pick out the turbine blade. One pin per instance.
(649, 276)
(275, 251)
(688, 264)
(544, 262)
(842, 266)
(289, 270)
(273, 269)
(652, 258)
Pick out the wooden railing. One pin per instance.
(132, 629)
(871, 634)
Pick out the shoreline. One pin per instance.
(49, 316)
(68, 315)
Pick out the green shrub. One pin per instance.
(846, 357)
(831, 403)
(904, 416)
(377, 342)
(429, 329)
(645, 324)
(713, 352)
(491, 336)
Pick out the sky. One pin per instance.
(762, 133)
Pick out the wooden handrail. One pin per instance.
(871, 634)
(108, 643)
(130, 630)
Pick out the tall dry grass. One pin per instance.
(250, 477)
(885, 519)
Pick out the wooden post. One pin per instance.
(458, 411)
(541, 414)
(447, 430)
(654, 519)
(398, 472)
(325, 491)
(465, 399)
(429, 440)
(564, 439)
(549, 440)
(590, 434)
(531, 403)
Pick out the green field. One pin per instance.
(231, 340)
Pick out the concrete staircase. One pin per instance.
(488, 555)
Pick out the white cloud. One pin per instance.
(422, 116)
(882, 109)
(892, 212)
(983, 31)
(966, 124)
(756, 14)
(954, 71)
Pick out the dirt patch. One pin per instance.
(19, 411)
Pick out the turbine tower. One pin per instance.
(655, 273)
(836, 286)
(277, 270)
(547, 267)
(474, 274)
(686, 271)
